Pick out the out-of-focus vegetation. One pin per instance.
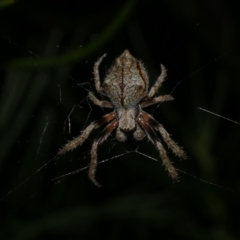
(6, 3)
(48, 49)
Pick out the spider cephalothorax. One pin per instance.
(126, 86)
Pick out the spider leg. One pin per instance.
(97, 75)
(100, 103)
(86, 132)
(172, 145)
(162, 152)
(155, 100)
(158, 83)
(165, 135)
(93, 164)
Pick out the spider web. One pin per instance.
(36, 172)
(111, 153)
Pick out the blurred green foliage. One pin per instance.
(6, 3)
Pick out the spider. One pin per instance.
(126, 87)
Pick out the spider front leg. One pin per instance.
(97, 75)
(158, 83)
(93, 164)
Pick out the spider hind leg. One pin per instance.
(165, 135)
(162, 152)
(93, 164)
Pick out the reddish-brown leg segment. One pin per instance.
(86, 132)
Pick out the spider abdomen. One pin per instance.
(126, 82)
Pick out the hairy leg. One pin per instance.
(162, 152)
(96, 74)
(85, 134)
(166, 161)
(165, 135)
(171, 144)
(93, 164)
(158, 83)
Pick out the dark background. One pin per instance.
(48, 49)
